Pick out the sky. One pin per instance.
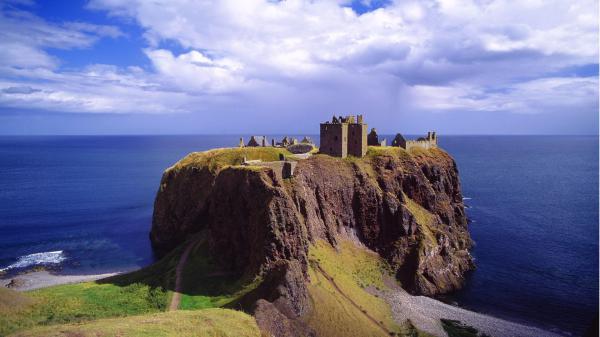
(276, 67)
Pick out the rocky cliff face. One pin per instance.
(405, 206)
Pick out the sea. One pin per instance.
(83, 204)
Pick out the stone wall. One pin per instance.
(334, 139)
(357, 140)
(424, 144)
(281, 169)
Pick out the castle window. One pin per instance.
(335, 138)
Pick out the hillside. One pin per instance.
(261, 233)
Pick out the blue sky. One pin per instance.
(258, 66)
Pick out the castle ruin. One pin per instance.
(344, 136)
(427, 142)
(373, 139)
(423, 142)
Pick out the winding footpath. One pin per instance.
(176, 298)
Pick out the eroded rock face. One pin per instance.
(408, 208)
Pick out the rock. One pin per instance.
(269, 318)
(406, 207)
(16, 283)
(300, 148)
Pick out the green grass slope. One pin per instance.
(342, 306)
(209, 322)
(147, 290)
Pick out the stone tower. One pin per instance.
(344, 136)
(432, 138)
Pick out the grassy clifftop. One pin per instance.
(217, 159)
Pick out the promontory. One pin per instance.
(312, 252)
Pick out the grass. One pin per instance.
(218, 159)
(352, 268)
(144, 291)
(81, 302)
(10, 299)
(206, 285)
(419, 151)
(393, 151)
(457, 329)
(209, 322)
(138, 292)
(424, 219)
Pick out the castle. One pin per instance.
(423, 142)
(344, 136)
(347, 136)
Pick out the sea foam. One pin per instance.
(24, 261)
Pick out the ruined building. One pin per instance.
(257, 141)
(399, 141)
(373, 139)
(283, 168)
(428, 142)
(344, 136)
(423, 142)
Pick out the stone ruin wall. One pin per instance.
(424, 144)
(281, 169)
(334, 139)
(357, 140)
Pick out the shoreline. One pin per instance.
(44, 279)
(424, 312)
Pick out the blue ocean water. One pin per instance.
(83, 204)
(534, 210)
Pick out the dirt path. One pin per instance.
(364, 312)
(176, 298)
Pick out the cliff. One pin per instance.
(406, 207)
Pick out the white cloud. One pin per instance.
(24, 36)
(556, 94)
(194, 72)
(440, 55)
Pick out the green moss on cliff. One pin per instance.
(431, 153)
(393, 151)
(217, 159)
(424, 219)
(206, 285)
